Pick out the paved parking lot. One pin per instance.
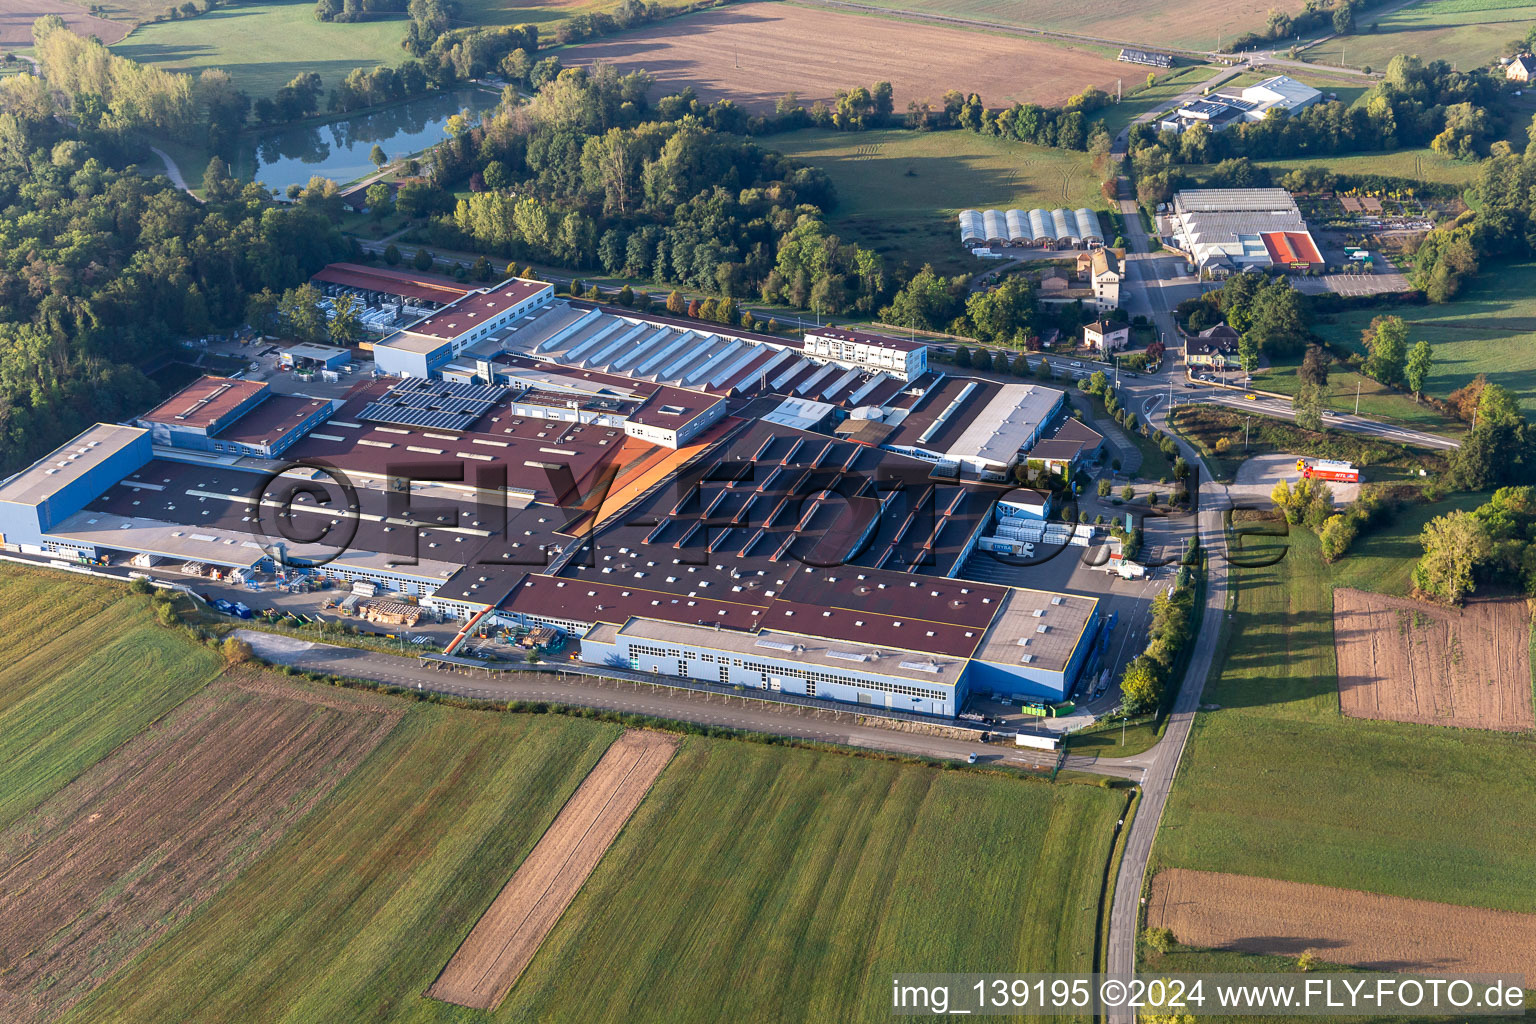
(1075, 570)
(1386, 279)
(1257, 476)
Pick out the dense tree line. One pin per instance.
(1503, 225)
(1495, 543)
(1336, 16)
(102, 270)
(356, 10)
(583, 175)
(1269, 315)
(1149, 673)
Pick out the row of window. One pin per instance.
(810, 677)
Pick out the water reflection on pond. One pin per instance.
(339, 149)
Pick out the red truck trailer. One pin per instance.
(1328, 469)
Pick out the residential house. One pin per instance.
(1105, 337)
(1214, 348)
(1522, 69)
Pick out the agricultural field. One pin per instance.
(135, 844)
(832, 872)
(754, 53)
(503, 942)
(1362, 929)
(268, 848)
(1277, 784)
(355, 911)
(1467, 33)
(1490, 328)
(522, 12)
(823, 866)
(17, 16)
(1196, 25)
(1402, 661)
(899, 191)
(264, 45)
(64, 703)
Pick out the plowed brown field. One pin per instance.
(1346, 926)
(17, 16)
(1405, 661)
(136, 843)
(503, 941)
(754, 53)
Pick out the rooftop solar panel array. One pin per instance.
(433, 403)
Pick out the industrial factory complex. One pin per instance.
(673, 497)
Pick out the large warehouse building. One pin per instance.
(1235, 106)
(1231, 229)
(683, 530)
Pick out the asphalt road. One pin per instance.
(587, 687)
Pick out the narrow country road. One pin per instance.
(1163, 759)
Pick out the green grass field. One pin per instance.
(753, 882)
(1468, 33)
(1375, 400)
(833, 874)
(352, 915)
(264, 45)
(1277, 784)
(1490, 328)
(83, 667)
(1414, 164)
(899, 191)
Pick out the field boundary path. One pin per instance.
(505, 939)
(173, 172)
